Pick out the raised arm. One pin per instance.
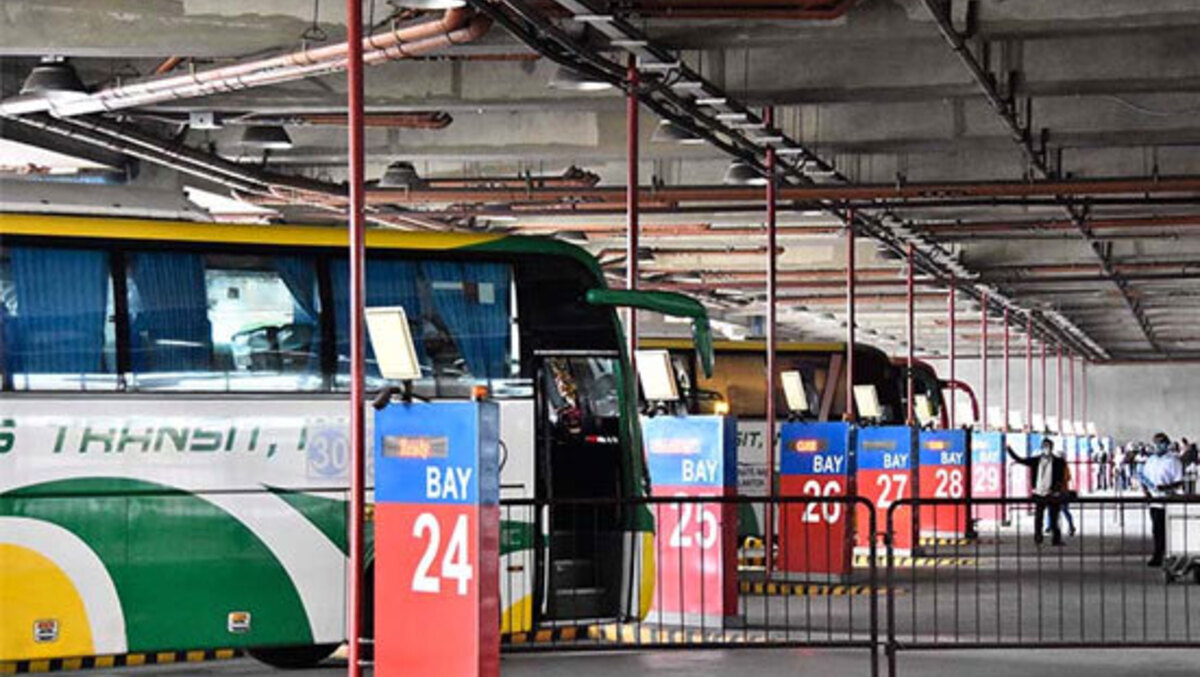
(1017, 459)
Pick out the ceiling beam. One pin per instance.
(1005, 107)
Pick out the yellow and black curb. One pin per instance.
(547, 636)
(963, 542)
(810, 589)
(916, 562)
(633, 634)
(650, 634)
(116, 661)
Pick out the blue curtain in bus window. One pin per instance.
(62, 296)
(389, 283)
(472, 299)
(300, 276)
(168, 310)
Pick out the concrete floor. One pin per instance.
(767, 662)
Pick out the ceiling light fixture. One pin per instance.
(571, 80)
(401, 174)
(266, 137)
(432, 4)
(53, 77)
(669, 132)
(742, 174)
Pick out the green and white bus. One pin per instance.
(173, 431)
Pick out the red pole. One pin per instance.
(1059, 385)
(769, 119)
(631, 204)
(983, 357)
(1044, 426)
(1071, 392)
(849, 414)
(912, 333)
(1083, 377)
(358, 385)
(953, 356)
(1029, 372)
(1004, 425)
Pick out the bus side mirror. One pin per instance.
(667, 303)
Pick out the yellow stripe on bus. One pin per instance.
(744, 346)
(187, 231)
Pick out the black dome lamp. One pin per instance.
(742, 174)
(401, 174)
(53, 77)
(266, 137)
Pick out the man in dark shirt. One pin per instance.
(1049, 481)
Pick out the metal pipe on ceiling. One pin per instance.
(957, 228)
(750, 10)
(454, 27)
(810, 194)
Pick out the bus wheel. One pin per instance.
(293, 657)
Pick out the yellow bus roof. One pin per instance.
(756, 345)
(188, 231)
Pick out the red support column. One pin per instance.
(1044, 385)
(357, 254)
(910, 417)
(1004, 425)
(1083, 378)
(953, 356)
(850, 273)
(1071, 392)
(1059, 385)
(631, 205)
(982, 423)
(1029, 372)
(769, 119)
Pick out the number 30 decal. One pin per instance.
(455, 562)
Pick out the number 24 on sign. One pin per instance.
(455, 563)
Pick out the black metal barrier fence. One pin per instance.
(692, 572)
(1091, 580)
(688, 572)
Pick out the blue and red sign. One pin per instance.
(815, 461)
(885, 471)
(437, 538)
(1070, 451)
(1018, 475)
(696, 543)
(988, 472)
(942, 460)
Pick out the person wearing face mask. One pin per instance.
(1049, 482)
(1161, 476)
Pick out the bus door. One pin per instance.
(579, 456)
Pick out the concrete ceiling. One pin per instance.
(1105, 88)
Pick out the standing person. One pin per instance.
(1161, 475)
(1189, 459)
(1049, 472)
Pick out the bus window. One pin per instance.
(741, 379)
(56, 319)
(461, 316)
(223, 322)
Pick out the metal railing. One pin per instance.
(688, 572)
(1097, 583)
